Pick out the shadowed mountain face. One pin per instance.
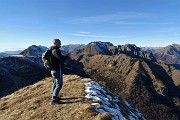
(150, 86)
(169, 55)
(17, 72)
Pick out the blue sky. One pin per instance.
(141, 22)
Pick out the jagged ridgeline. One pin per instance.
(128, 71)
(133, 74)
(107, 48)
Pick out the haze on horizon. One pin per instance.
(153, 23)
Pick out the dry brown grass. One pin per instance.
(33, 102)
(175, 76)
(104, 116)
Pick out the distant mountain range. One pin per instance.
(150, 48)
(107, 48)
(13, 52)
(137, 75)
(72, 47)
(37, 51)
(169, 55)
(9, 53)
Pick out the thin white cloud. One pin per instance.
(121, 18)
(85, 32)
(109, 17)
(91, 35)
(143, 23)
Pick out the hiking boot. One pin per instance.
(54, 102)
(56, 98)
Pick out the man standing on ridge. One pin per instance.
(57, 70)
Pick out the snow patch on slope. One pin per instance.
(108, 102)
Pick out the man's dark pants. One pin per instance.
(57, 76)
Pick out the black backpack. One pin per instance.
(47, 59)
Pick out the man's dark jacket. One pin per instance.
(57, 58)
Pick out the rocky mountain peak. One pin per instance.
(99, 43)
(169, 54)
(34, 50)
(107, 48)
(134, 51)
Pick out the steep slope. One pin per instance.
(169, 55)
(147, 85)
(150, 86)
(107, 103)
(33, 102)
(17, 72)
